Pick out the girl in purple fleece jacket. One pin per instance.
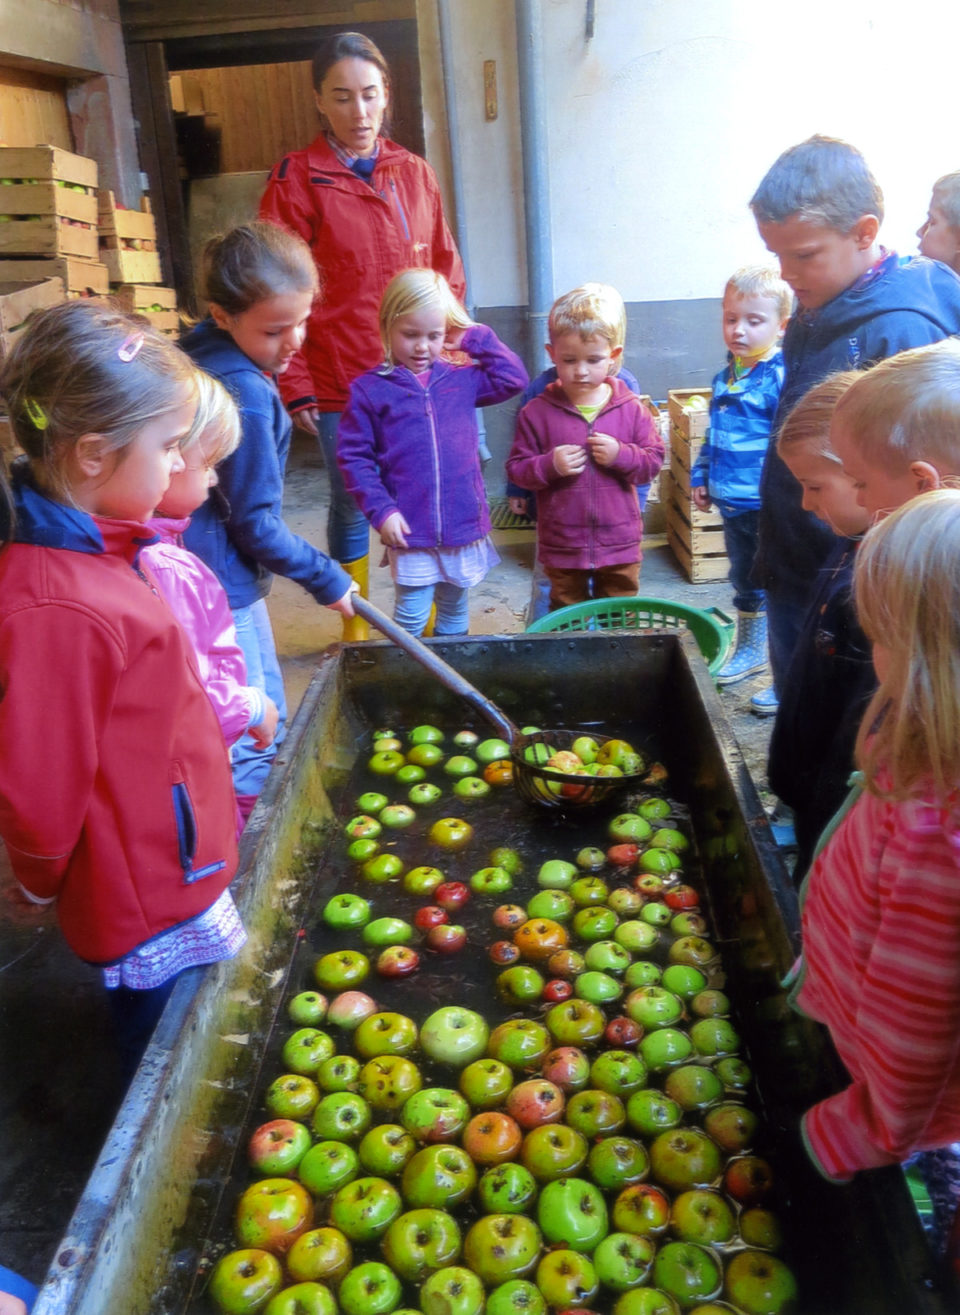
(407, 447)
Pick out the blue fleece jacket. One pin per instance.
(239, 531)
(742, 412)
(901, 306)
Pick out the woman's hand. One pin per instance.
(308, 419)
(264, 732)
(569, 459)
(393, 530)
(603, 448)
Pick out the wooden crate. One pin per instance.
(81, 278)
(47, 202)
(698, 570)
(676, 492)
(689, 424)
(695, 536)
(118, 225)
(157, 304)
(127, 266)
(684, 450)
(18, 301)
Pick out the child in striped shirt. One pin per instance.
(881, 907)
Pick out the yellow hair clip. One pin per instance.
(36, 413)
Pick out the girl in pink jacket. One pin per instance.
(195, 595)
(881, 906)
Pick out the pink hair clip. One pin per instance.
(130, 346)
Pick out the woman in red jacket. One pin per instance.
(368, 208)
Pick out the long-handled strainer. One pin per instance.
(535, 782)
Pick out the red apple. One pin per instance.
(431, 915)
(278, 1146)
(451, 895)
(534, 1102)
(446, 938)
(748, 1179)
(622, 1033)
(557, 989)
(492, 1138)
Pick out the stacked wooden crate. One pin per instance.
(696, 537)
(653, 513)
(128, 245)
(48, 219)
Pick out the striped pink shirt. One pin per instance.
(881, 953)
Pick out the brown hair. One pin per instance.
(254, 262)
(86, 368)
(351, 45)
(808, 421)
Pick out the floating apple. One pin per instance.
(341, 969)
(387, 931)
(454, 1035)
(521, 983)
(688, 1272)
(451, 895)
(451, 833)
(556, 874)
(424, 793)
(684, 1158)
(452, 1291)
(534, 1102)
(435, 1114)
(491, 881)
(641, 1208)
(431, 915)
(517, 1296)
(616, 1162)
(650, 1112)
(502, 1247)
(277, 1147)
(438, 1176)
(363, 1211)
(520, 1043)
(321, 1255)
(553, 1151)
(503, 953)
(327, 1166)
(486, 1083)
(385, 1150)
(386, 1081)
(575, 1023)
(308, 1009)
(556, 989)
(350, 1008)
(272, 1213)
(382, 868)
(566, 1278)
(346, 910)
(422, 880)
(760, 1284)
(595, 1113)
(567, 1067)
(420, 1242)
(341, 1116)
(385, 1033)
(446, 938)
(748, 1179)
(243, 1281)
(622, 1033)
(507, 1188)
(291, 1096)
(623, 1261)
(704, 1216)
(338, 1073)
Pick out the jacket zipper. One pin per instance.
(436, 465)
(400, 211)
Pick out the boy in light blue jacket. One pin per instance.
(746, 392)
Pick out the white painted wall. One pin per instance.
(662, 125)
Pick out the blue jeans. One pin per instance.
(413, 602)
(740, 537)
(348, 533)
(255, 637)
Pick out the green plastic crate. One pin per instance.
(713, 630)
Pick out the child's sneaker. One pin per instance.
(766, 703)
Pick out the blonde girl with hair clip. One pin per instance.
(881, 907)
(260, 283)
(195, 595)
(407, 447)
(830, 677)
(115, 792)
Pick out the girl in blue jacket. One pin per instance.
(260, 282)
(407, 447)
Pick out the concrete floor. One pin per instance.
(60, 1085)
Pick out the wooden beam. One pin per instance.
(158, 20)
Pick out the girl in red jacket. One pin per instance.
(881, 907)
(116, 798)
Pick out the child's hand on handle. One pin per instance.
(569, 459)
(603, 448)
(394, 529)
(308, 419)
(701, 498)
(263, 733)
(343, 605)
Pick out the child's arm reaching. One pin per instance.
(499, 372)
(903, 1044)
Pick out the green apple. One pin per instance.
(272, 1213)
(642, 972)
(507, 1189)
(628, 826)
(341, 969)
(364, 1209)
(425, 734)
(714, 1037)
(623, 1261)
(590, 858)
(363, 827)
(517, 1296)
(243, 1281)
(645, 1301)
(566, 1279)
(557, 905)
(450, 833)
(460, 764)
(520, 984)
(607, 957)
(641, 1208)
(683, 980)
(424, 755)
(277, 1147)
(650, 1112)
(656, 913)
(386, 1149)
(386, 762)
(346, 910)
(684, 1158)
(693, 1086)
(503, 856)
(387, 1081)
(385, 1033)
(422, 880)
(557, 874)
(308, 1009)
(704, 1216)
(617, 1162)
(658, 862)
(369, 1289)
(486, 1083)
(710, 1003)
(618, 1071)
(688, 1272)
(328, 1165)
(520, 1043)
(306, 1049)
(382, 868)
(398, 816)
(387, 931)
(408, 774)
(669, 838)
(420, 1242)
(302, 1299)
(595, 1113)
(439, 1176)
(321, 1255)
(760, 1284)
(371, 802)
(553, 1151)
(452, 1291)
(635, 936)
(424, 793)
(599, 988)
(664, 1048)
(362, 849)
(575, 1023)
(491, 751)
(653, 1007)
(594, 924)
(454, 1035)
(341, 1116)
(435, 1114)
(502, 1247)
(491, 880)
(291, 1096)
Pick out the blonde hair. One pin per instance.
(907, 589)
(83, 368)
(946, 196)
(416, 289)
(592, 310)
(907, 409)
(807, 423)
(216, 424)
(761, 281)
(253, 263)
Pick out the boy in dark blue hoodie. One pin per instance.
(819, 211)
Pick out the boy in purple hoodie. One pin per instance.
(582, 447)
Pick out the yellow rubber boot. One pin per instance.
(355, 629)
(431, 621)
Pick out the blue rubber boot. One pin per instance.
(766, 703)
(749, 657)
